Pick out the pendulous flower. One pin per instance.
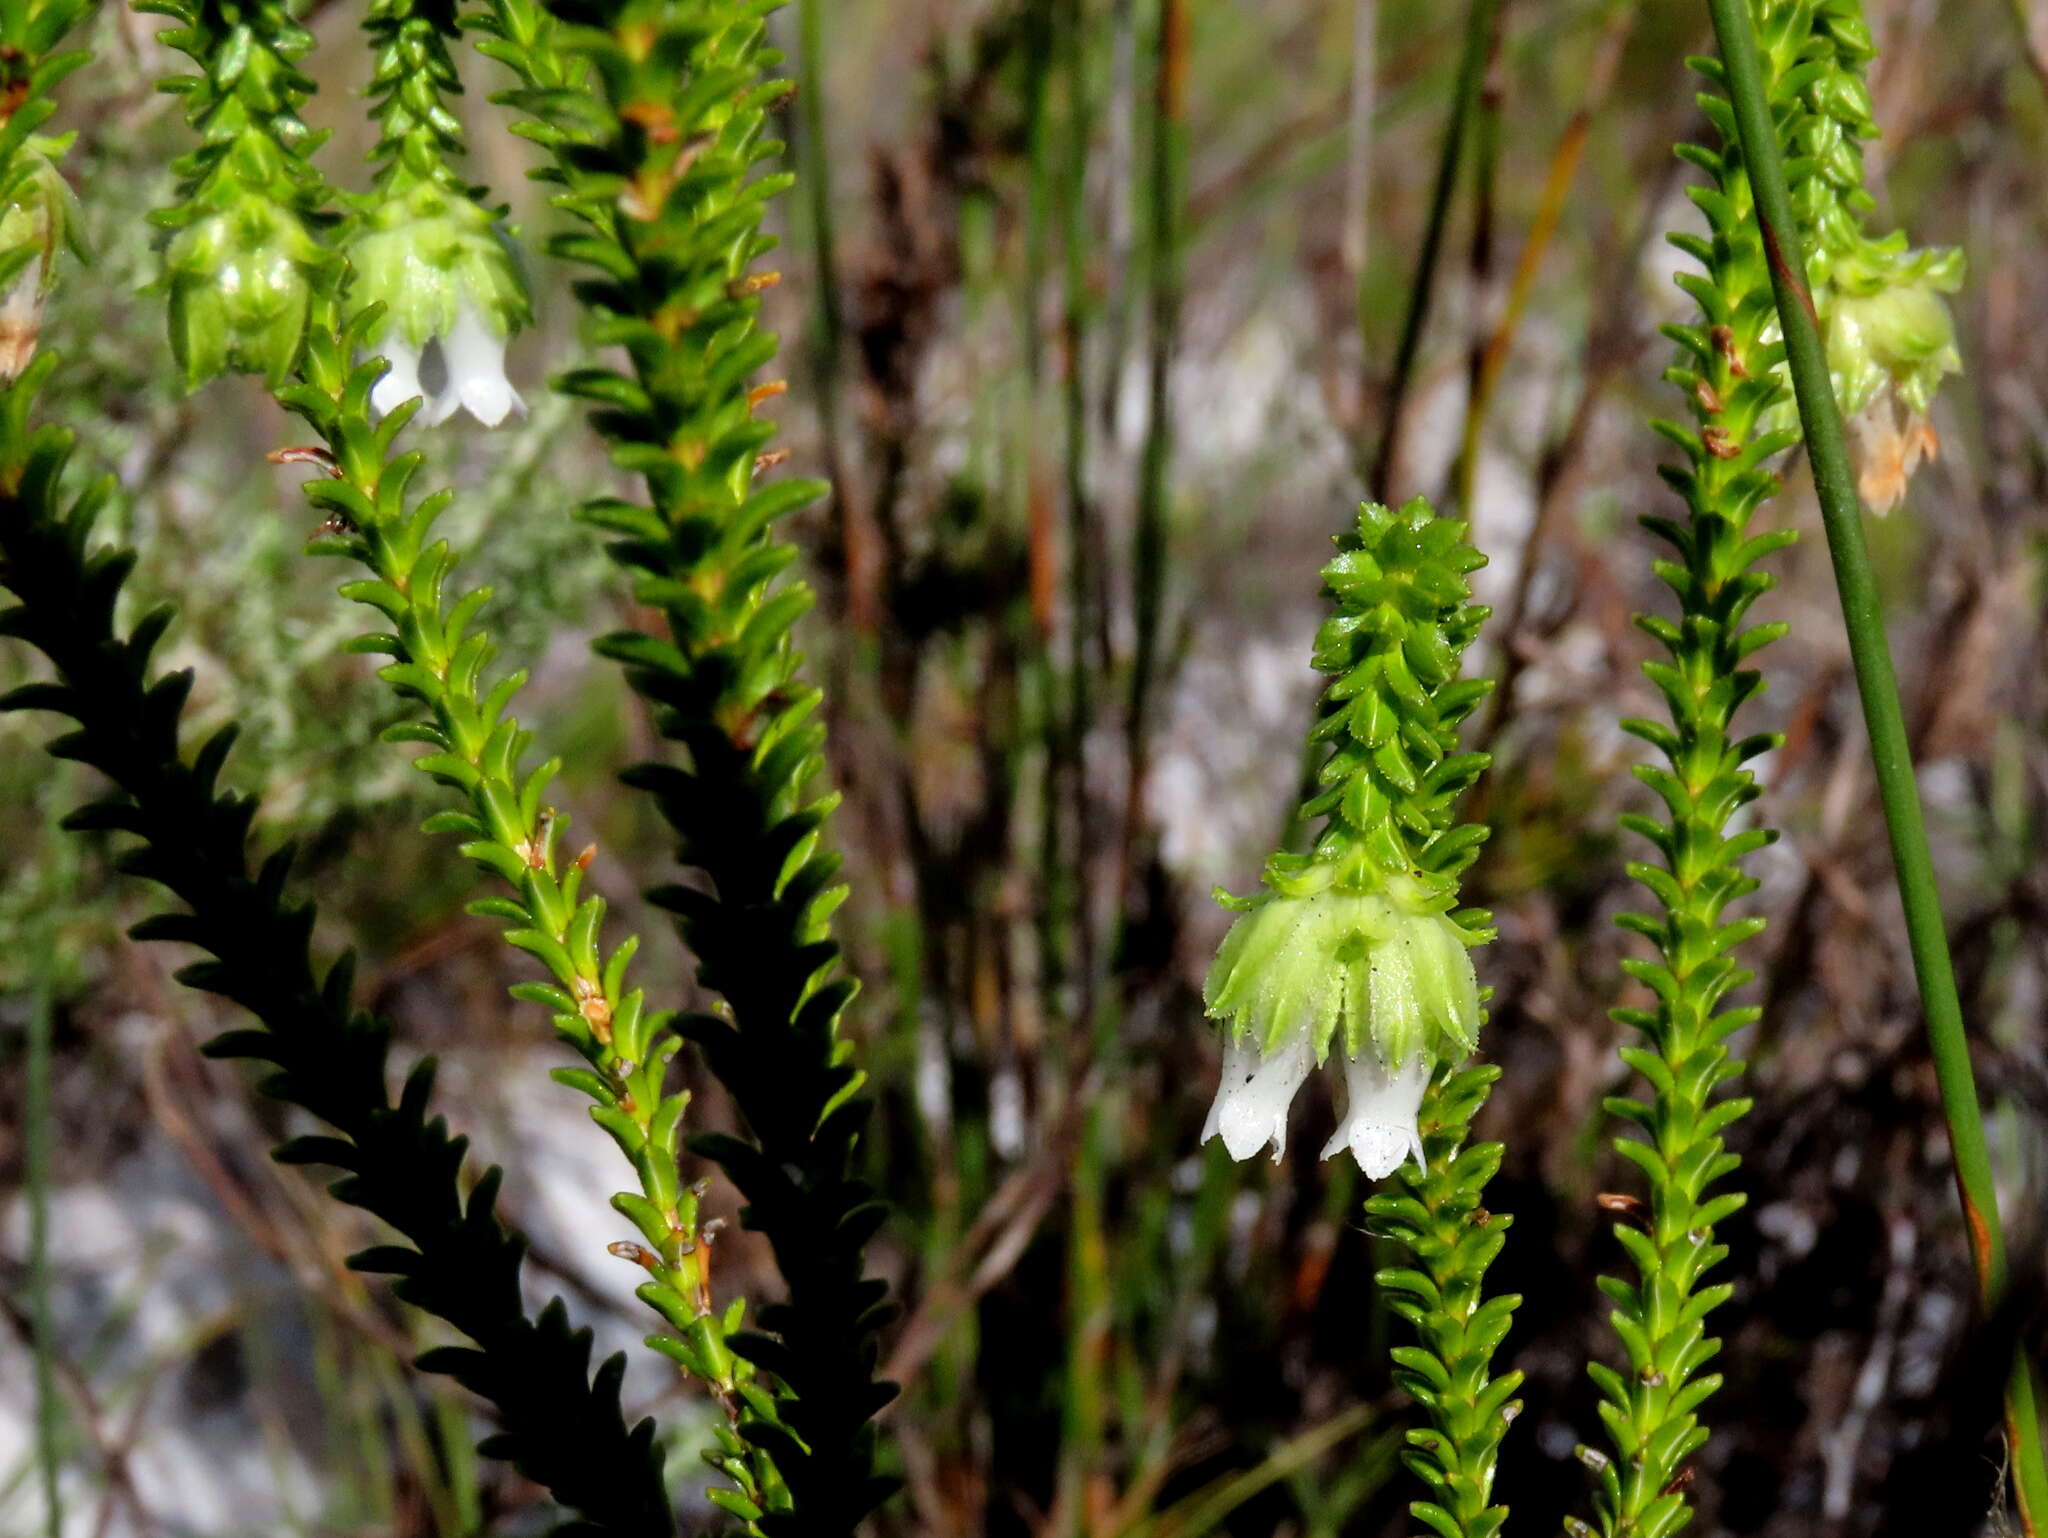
(1355, 954)
(445, 273)
(241, 284)
(1896, 341)
(1381, 980)
(1888, 348)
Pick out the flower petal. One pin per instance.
(1251, 1105)
(401, 381)
(1240, 1060)
(1379, 1118)
(476, 370)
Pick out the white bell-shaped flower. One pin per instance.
(1380, 982)
(1379, 1117)
(474, 352)
(401, 381)
(446, 284)
(1258, 1089)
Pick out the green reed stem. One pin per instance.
(1090, 1320)
(36, 1112)
(1884, 720)
(817, 162)
(1078, 311)
(1479, 29)
(827, 347)
(1164, 236)
(1485, 205)
(1120, 122)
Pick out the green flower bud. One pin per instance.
(446, 275)
(1890, 340)
(1888, 333)
(41, 215)
(241, 284)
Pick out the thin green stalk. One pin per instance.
(828, 329)
(400, 1416)
(451, 1423)
(669, 230)
(817, 171)
(1491, 355)
(1358, 220)
(1204, 1510)
(1163, 213)
(1090, 1323)
(36, 1112)
(1038, 664)
(1479, 34)
(1884, 720)
(1120, 115)
(1485, 201)
(1082, 589)
(1039, 31)
(2036, 58)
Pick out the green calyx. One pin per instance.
(1360, 933)
(1896, 339)
(241, 283)
(1391, 974)
(41, 212)
(426, 250)
(39, 217)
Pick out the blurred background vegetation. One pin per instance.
(1090, 311)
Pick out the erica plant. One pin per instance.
(1117, 1328)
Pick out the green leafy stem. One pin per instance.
(397, 1161)
(1438, 1214)
(657, 164)
(476, 747)
(1729, 372)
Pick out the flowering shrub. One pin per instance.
(373, 316)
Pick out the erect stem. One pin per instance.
(1164, 234)
(36, 1120)
(857, 546)
(1884, 721)
(1479, 31)
(1083, 580)
(1480, 268)
(1557, 185)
